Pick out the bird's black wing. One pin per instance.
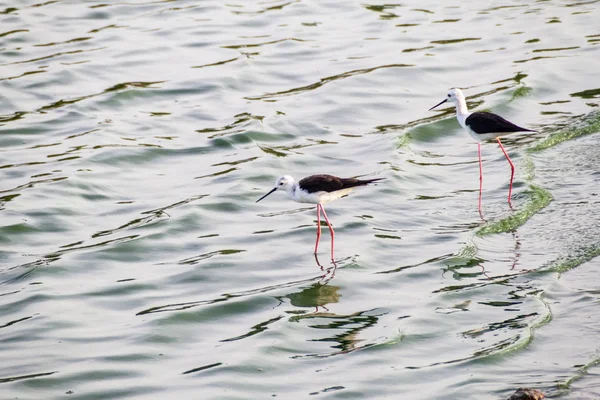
(321, 183)
(485, 122)
(330, 183)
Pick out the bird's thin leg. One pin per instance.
(318, 227)
(330, 229)
(329, 272)
(480, 176)
(318, 263)
(512, 171)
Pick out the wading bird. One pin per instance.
(481, 126)
(318, 189)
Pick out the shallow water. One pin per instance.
(135, 138)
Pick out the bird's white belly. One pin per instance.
(320, 197)
(480, 137)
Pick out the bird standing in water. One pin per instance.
(318, 189)
(481, 126)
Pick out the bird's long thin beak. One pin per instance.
(274, 189)
(438, 104)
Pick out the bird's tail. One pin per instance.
(362, 182)
(353, 182)
(367, 181)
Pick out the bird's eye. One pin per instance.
(448, 94)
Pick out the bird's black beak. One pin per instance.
(438, 104)
(274, 189)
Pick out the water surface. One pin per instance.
(136, 136)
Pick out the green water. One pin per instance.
(585, 125)
(135, 138)
(537, 199)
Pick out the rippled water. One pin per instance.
(136, 136)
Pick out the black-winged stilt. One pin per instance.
(318, 189)
(483, 126)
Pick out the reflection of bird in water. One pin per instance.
(466, 262)
(483, 126)
(319, 189)
(471, 260)
(315, 296)
(515, 236)
(527, 394)
(329, 272)
(343, 331)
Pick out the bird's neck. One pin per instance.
(462, 112)
(292, 190)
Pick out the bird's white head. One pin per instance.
(455, 96)
(286, 183)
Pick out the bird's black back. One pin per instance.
(330, 183)
(485, 122)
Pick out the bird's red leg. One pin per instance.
(330, 230)
(318, 227)
(512, 171)
(480, 175)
